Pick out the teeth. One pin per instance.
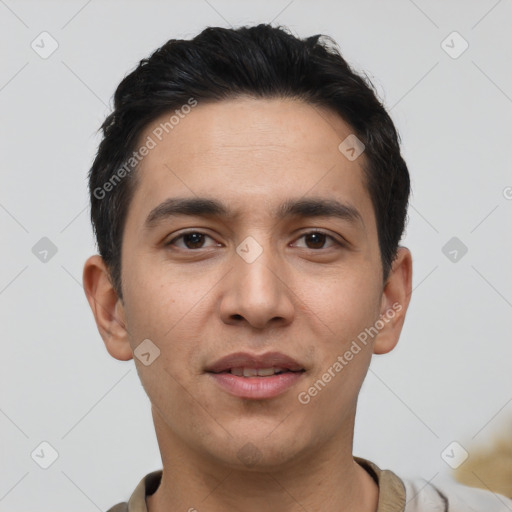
(266, 371)
(256, 372)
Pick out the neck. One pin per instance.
(327, 480)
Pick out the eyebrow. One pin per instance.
(205, 207)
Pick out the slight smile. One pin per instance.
(256, 377)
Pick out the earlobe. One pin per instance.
(107, 308)
(395, 301)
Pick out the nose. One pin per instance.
(257, 292)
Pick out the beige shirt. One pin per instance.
(395, 494)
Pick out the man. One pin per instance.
(248, 200)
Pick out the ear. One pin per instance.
(394, 303)
(107, 308)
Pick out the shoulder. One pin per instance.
(419, 495)
(120, 507)
(448, 496)
(137, 502)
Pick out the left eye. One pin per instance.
(195, 240)
(317, 238)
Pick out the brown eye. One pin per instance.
(191, 240)
(316, 240)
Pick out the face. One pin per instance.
(250, 260)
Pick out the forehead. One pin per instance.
(251, 154)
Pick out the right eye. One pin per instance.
(191, 239)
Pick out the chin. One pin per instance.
(259, 453)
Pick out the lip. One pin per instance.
(256, 388)
(246, 360)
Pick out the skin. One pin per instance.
(197, 303)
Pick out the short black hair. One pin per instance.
(258, 61)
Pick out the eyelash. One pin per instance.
(314, 232)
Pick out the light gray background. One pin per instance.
(449, 378)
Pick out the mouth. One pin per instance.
(256, 377)
(258, 372)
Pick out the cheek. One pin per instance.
(157, 299)
(169, 311)
(345, 305)
(183, 411)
